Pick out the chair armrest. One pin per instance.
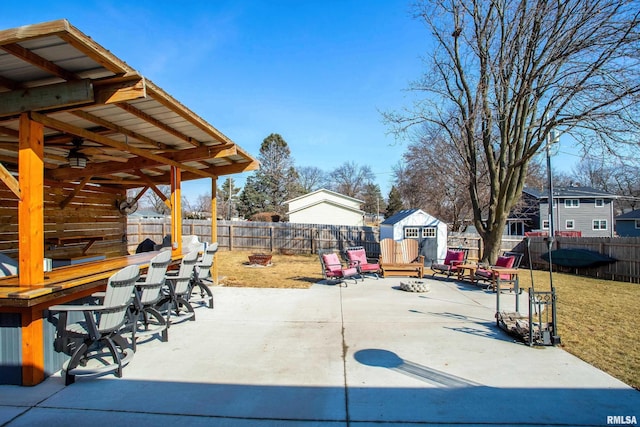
(68, 308)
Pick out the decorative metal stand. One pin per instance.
(539, 327)
(542, 318)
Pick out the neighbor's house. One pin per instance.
(628, 224)
(326, 207)
(584, 211)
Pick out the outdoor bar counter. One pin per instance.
(30, 357)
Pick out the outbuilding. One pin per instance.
(417, 224)
(325, 207)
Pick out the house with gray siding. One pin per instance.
(584, 211)
(628, 224)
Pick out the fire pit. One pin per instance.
(415, 286)
(260, 259)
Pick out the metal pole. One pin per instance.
(551, 138)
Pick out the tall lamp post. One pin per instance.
(553, 137)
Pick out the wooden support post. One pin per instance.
(32, 347)
(30, 204)
(214, 227)
(31, 242)
(176, 211)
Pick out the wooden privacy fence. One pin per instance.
(260, 236)
(290, 238)
(626, 250)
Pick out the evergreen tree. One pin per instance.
(277, 177)
(395, 203)
(251, 200)
(227, 196)
(373, 201)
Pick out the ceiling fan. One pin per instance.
(80, 153)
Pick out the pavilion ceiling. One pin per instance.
(130, 130)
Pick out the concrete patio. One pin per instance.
(368, 354)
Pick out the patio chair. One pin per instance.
(453, 258)
(401, 258)
(357, 257)
(100, 328)
(176, 291)
(491, 274)
(146, 319)
(334, 270)
(199, 291)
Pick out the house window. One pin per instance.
(545, 224)
(637, 223)
(411, 232)
(599, 224)
(571, 203)
(569, 224)
(429, 232)
(599, 203)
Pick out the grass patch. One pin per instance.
(285, 271)
(597, 321)
(596, 318)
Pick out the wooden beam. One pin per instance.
(8, 131)
(46, 97)
(83, 133)
(155, 189)
(120, 92)
(157, 123)
(75, 192)
(40, 62)
(10, 181)
(10, 84)
(31, 204)
(190, 155)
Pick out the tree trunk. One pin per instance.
(492, 242)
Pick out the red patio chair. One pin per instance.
(357, 258)
(333, 270)
(453, 258)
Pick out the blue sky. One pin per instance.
(318, 72)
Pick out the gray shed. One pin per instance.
(417, 224)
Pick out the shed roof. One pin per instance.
(132, 130)
(396, 218)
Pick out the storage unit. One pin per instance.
(417, 224)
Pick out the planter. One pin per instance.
(260, 259)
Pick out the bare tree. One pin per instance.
(311, 178)
(434, 179)
(350, 179)
(153, 200)
(612, 176)
(505, 75)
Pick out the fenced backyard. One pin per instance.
(287, 238)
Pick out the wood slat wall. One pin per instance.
(92, 212)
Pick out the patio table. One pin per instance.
(61, 285)
(471, 268)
